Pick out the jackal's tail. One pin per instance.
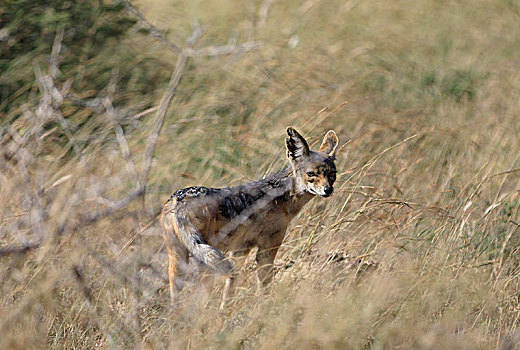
(212, 257)
(197, 246)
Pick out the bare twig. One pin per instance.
(136, 287)
(120, 135)
(19, 249)
(115, 206)
(49, 108)
(185, 121)
(228, 49)
(195, 35)
(55, 53)
(153, 29)
(250, 21)
(125, 150)
(78, 274)
(145, 112)
(93, 103)
(263, 12)
(140, 232)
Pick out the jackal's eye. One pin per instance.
(310, 174)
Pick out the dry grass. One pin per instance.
(417, 249)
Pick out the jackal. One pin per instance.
(205, 222)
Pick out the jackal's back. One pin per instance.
(234, 218)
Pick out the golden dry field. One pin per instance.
(103, 117)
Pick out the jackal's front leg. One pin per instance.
(175, 253)
(265, 259)
(229, 286)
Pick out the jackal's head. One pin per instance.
(314, 172)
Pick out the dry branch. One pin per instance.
(115, 206)
(19, 249)
(86, 220)
(165, 103)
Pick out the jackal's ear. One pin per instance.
(329, 144)
(296, 145)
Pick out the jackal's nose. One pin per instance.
(328, 190)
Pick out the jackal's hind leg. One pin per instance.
(172, 269)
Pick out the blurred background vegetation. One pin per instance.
(417, 249)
